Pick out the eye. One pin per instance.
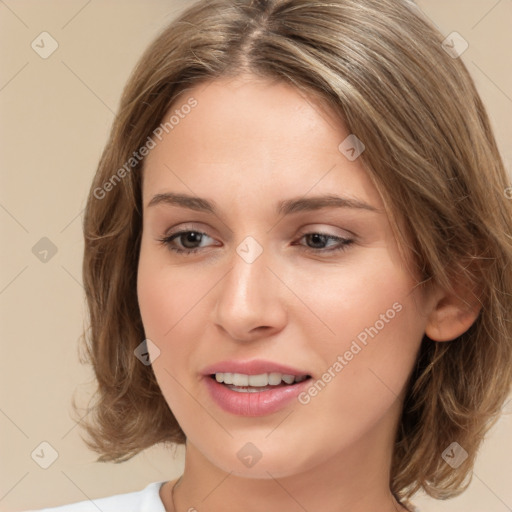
(187, 239)
(320, 241)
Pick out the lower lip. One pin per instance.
(253, 404)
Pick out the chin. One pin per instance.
(263, 459)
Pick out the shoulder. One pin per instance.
(146, 500)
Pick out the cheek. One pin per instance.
(166, 295)
(173, 303)
(363, 385)
(166, 299)
(369, 298)
(376, 330)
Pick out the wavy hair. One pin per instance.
(381, 66)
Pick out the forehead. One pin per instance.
(255, 138)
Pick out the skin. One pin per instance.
(248, 144)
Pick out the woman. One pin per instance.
(301, 221)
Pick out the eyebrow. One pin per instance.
(285, 207)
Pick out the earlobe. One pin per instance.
(452, 316)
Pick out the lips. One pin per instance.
(253, 388)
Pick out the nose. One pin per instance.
(250, 301)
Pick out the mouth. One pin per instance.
(244, 383)
(254, 387)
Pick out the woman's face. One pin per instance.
(292, 268)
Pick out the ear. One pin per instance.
(453, 313)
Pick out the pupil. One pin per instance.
(192, 237)
(318, 239)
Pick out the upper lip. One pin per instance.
(253, 367)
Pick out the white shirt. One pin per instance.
(147, 500)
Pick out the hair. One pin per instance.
(380, 66)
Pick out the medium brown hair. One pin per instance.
(381, 67)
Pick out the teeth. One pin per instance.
(240, 380)
(274, 378)
(257, 380)
(228, 378)
(261, 380)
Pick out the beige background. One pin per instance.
(55, 117)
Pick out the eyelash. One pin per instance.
(344, 242)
